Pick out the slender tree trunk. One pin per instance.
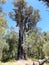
(21, 51)
(19, 45)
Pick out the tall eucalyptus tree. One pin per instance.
(25, 18)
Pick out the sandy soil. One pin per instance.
(20, 62)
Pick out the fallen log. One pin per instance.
(40, 62)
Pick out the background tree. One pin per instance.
(46, 45)
(3, 21)
(3, 24)
(3, 28)
(33, 44)
(12, 41)
(25, 18)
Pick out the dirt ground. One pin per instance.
(20, 62)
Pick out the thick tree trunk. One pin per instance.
(21, 52)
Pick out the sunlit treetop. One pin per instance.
(29, 10)
(36, 15)
(19, 3)
(24, 14)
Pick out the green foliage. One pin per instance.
(3, 28)
(33, 44)
(46, 45)
(10, 51)
(46, 48)
(3, 46)
(3, 24)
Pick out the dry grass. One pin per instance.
(20, 62)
